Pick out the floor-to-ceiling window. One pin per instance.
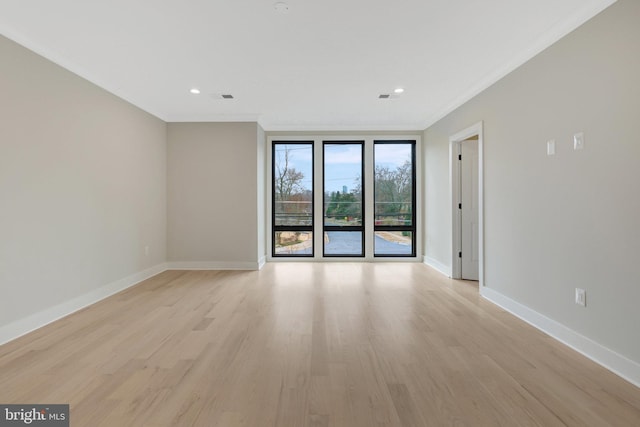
(292, 198)
(343, 216)
(348, 198)
(394, 198)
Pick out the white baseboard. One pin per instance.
(616, 363)
(30, 323)
(261, 262)
(213, 265)
(437, 265)
(34, 321)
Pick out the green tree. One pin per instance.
(343, 205)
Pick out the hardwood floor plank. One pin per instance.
(309, 344)
(404, 406)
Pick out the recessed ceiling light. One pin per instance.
(281, 7)
(195, 91)
(399, 90)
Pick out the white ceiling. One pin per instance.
(321, 66)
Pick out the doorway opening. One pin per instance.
(466, 178)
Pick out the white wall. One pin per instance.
(572, 220)
(82, 190)
(261, 179)
(213, 195)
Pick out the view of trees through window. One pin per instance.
(393, 188)
(293, 199)
(342, 172)
(343, 204)
(394, 194)
(343, 207)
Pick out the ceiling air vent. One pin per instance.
(384, 96)
(218, 95)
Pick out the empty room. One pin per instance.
(292, 213)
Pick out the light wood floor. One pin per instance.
(302, 344)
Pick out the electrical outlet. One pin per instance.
(581, 297)
(146, 250)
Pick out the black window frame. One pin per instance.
(411, 228)
(295, 228)
(360, 228)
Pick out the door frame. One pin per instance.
(454, 192)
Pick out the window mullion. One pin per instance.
(318, 198)
(368, 197)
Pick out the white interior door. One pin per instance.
(469, 210)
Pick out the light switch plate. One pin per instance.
(578, 141)
(551, 147)
(581, 297)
